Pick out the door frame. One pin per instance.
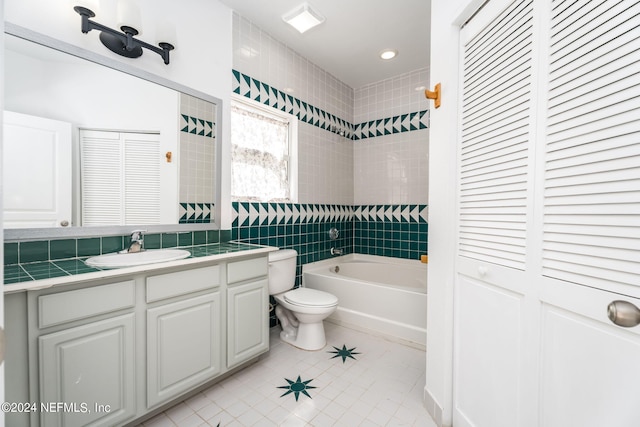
(2, 343)
(447, 18)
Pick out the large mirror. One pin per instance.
(90, 145)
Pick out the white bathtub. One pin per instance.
(380, 295)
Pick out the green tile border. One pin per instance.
(256, 90)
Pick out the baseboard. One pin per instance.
(433, 408)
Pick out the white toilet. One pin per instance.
(300, 311)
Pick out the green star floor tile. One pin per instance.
(344, 353)
(297, 387)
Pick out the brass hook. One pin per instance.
(169, 156)
(436, 95)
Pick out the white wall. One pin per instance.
(201, 60)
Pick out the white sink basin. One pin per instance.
(116, 260)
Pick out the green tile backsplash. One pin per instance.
(399, 231)
(62, 249)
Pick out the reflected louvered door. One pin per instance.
(142, 178)
(100, 178)
(120, 178)
(592, 177)
(494, 154)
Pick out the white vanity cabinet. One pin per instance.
(109, 350)
(247, 310)
(88, 365)
(183, 336)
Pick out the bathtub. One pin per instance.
(380, 295)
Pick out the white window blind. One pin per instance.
(495, 136)
(592, 181)
(120, 178)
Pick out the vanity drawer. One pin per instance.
(63, 307)
(247, 269)
(182, 282)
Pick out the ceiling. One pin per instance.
(348, 43)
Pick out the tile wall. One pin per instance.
(300, 226)
(364, 151)
(392, 167)
(197, 160)
(268, 71)
(362, 164)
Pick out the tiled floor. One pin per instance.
(356, 380)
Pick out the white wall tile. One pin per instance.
(333, 169)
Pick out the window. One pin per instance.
(263, 153)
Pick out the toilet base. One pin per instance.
(308, 336)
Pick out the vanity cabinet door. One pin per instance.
(183, 346)
(87, 374)
(247, 321)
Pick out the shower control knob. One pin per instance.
(333, 233)
(623, 313)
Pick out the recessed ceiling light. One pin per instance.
(388, 54)
(303, 18)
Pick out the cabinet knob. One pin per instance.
(64, 223)
(623, 313)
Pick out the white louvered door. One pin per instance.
(494, 215)
(589, 178)
(548, 215)
(496, 111)
(592, 180)
(120, 178)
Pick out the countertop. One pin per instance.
(45, 274)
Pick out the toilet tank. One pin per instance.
(282, 270)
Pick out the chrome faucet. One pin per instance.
(137, 241)
(335, 251)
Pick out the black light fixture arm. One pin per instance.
(123, 43)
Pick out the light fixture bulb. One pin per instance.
(388, 54)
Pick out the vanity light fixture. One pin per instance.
(303, 18)
(123, 43)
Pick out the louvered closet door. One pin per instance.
(592, 179)
(496, 126)
(590, 215)
(549, 215)
(496, 155)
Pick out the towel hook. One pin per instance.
(436, 95)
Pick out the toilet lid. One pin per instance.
(310, 297)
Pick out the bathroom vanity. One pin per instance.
(109, 347)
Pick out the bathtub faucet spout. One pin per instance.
(335, 251)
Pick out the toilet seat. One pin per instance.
(305, 297)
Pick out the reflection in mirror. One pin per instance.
(88, 145)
